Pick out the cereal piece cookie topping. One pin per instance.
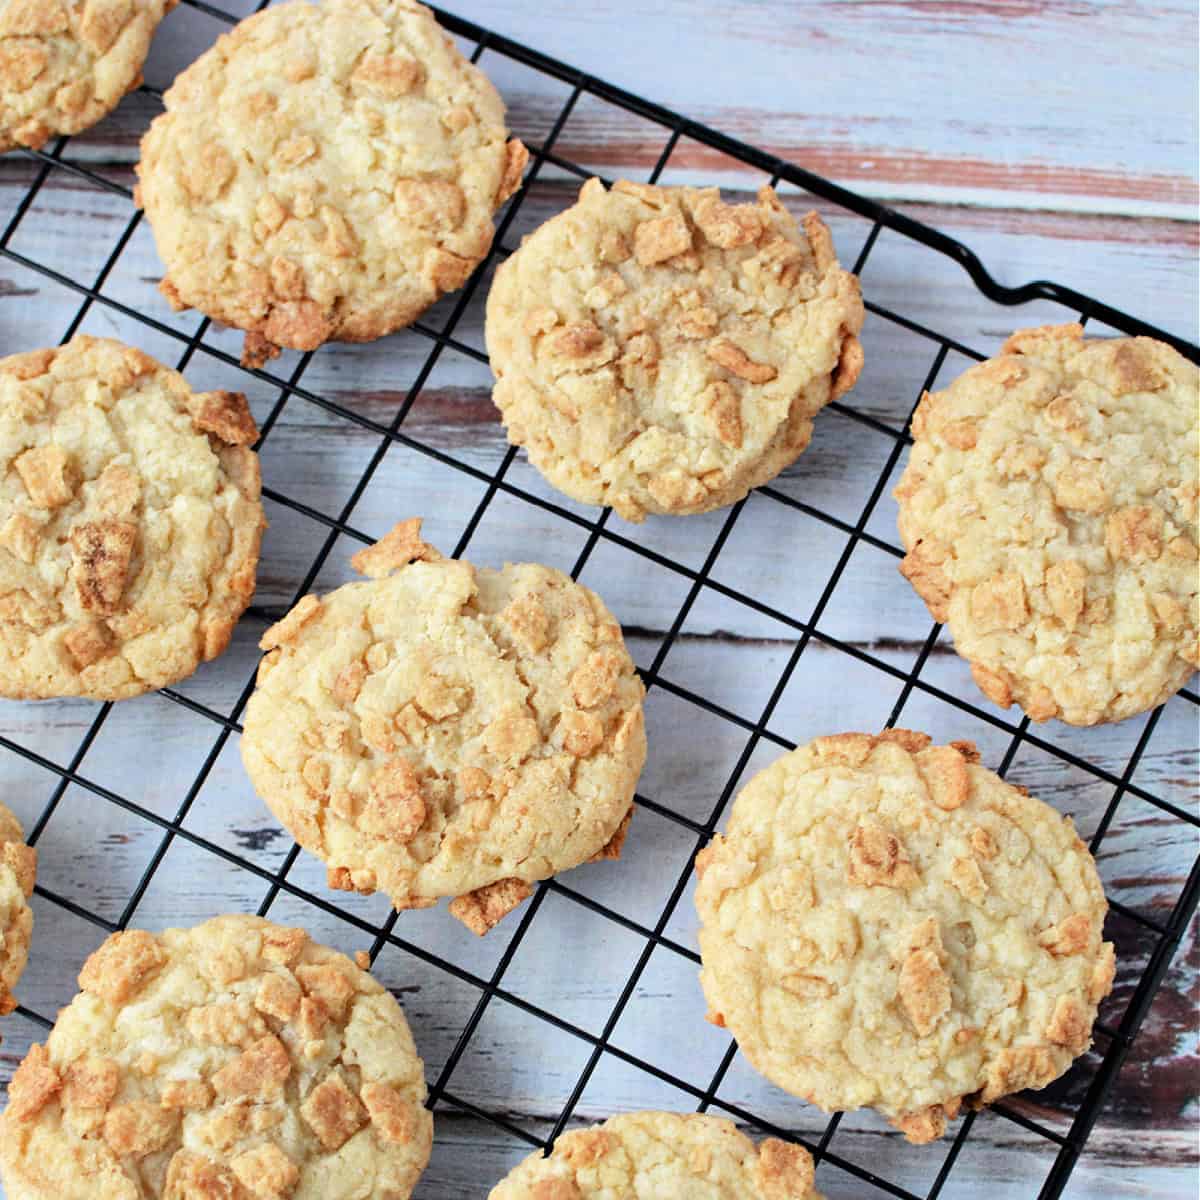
(1049, 511)
(234, 1061)
(887, 923)
(64, 64)
(325, 172)
(662, 351)
(130, 522)
(443, 730)
(662, 1156)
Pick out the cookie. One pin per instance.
(64, 64)
(18, 867)
(443, 730)
(662, 1156)
(664, 352)
(325, 172)
(1049, 511)
(887, 923)
(130, 522)
(237, 1060)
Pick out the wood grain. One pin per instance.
(978, 118)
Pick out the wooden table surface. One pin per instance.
(1058, 138)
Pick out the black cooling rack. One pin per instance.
(1162, 934)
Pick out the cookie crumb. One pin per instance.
(397, 548)
(485, 907)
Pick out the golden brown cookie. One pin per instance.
(444, 730)
(662, 1156)
(325, 172)
(1049, 511)
(18, 867)
(887, 923)
(664, 352)
(64, 64)
(234, 1061)
(130, 522)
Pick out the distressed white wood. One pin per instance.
(974, 110)
(1079, 104)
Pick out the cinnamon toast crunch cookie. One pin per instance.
(662, 351)
(18, 869)
(662, 1156)
(886, 923)
(1049, 511)
(237, 1059)
(65, 64)
(443, 730)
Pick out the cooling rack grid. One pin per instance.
(1059, 1120)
